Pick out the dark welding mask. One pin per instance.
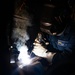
(53, 20)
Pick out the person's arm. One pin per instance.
(55, 57)
(65, 54)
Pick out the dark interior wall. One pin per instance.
(6, 12)
(35, 6)
(19, 6)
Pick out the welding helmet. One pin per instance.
(54, 19)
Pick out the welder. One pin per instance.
(57, 25)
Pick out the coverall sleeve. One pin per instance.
(66, 53)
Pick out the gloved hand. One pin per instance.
(39, 50)
(42, 52)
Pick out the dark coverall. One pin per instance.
(64, 46)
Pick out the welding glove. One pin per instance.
(42, 52)
(39, 50)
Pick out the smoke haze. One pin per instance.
(20, 35)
